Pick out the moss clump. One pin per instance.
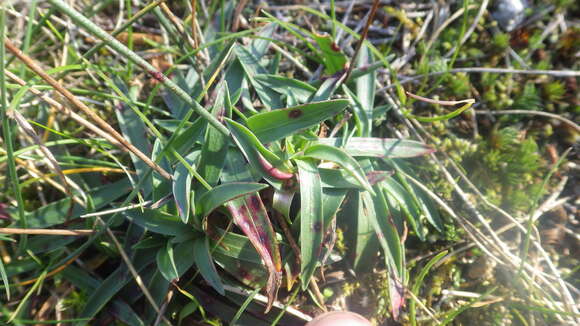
(507, 165)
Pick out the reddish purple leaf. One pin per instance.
(250, 215)
(4, 215)
(397, 294)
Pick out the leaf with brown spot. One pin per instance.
(277, 124)
(334, 60)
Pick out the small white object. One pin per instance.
(509, 13)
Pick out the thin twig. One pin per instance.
(422, 306)
(440, 102)
(177, 23)
(116, 210)
(237, 15)
(50, 159)
(295, 61)
(264, 299)
(362, 38)
(35, 173)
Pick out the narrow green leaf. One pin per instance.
(182, 187)
(188, 136)
(428, 208)
(166, 262)
(365, 88)
(259, 46)
(419, 281)
(183, 253)
(406, 204)
(379, 147)
(244, 306)
(177, 105)
(249, 141)
(215, 146)
(424, 202)
(282, 202)
(119, 308)
(363, 123)
(171, 124)
(260, 158)
(338, 178)
(111, 286)
(311, 218)
(234, 76)
(187, 310)
(204, 262)
(161, 186)
(447, 116)
(224, 193)
(331, 202)
(287, 86)
(338, 156)
(158, 286)
(134, 130)
(327, 88)
(360, 233)
(237, 169)
(252, 67)
(277, 124)
(156, 221)
(386, 232)
(237, 246)
(4, 279)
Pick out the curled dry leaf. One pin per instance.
(251, 217)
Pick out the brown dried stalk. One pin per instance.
(81, 106)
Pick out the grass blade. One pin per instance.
(287, 86)
(205, 264)
(224, 193)
(156, 221)
(365, 88)
(379, 147)
(166, 262)
(338, 156)
(182, 187)
(311, 218)
(277, 124)
(215, 146)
